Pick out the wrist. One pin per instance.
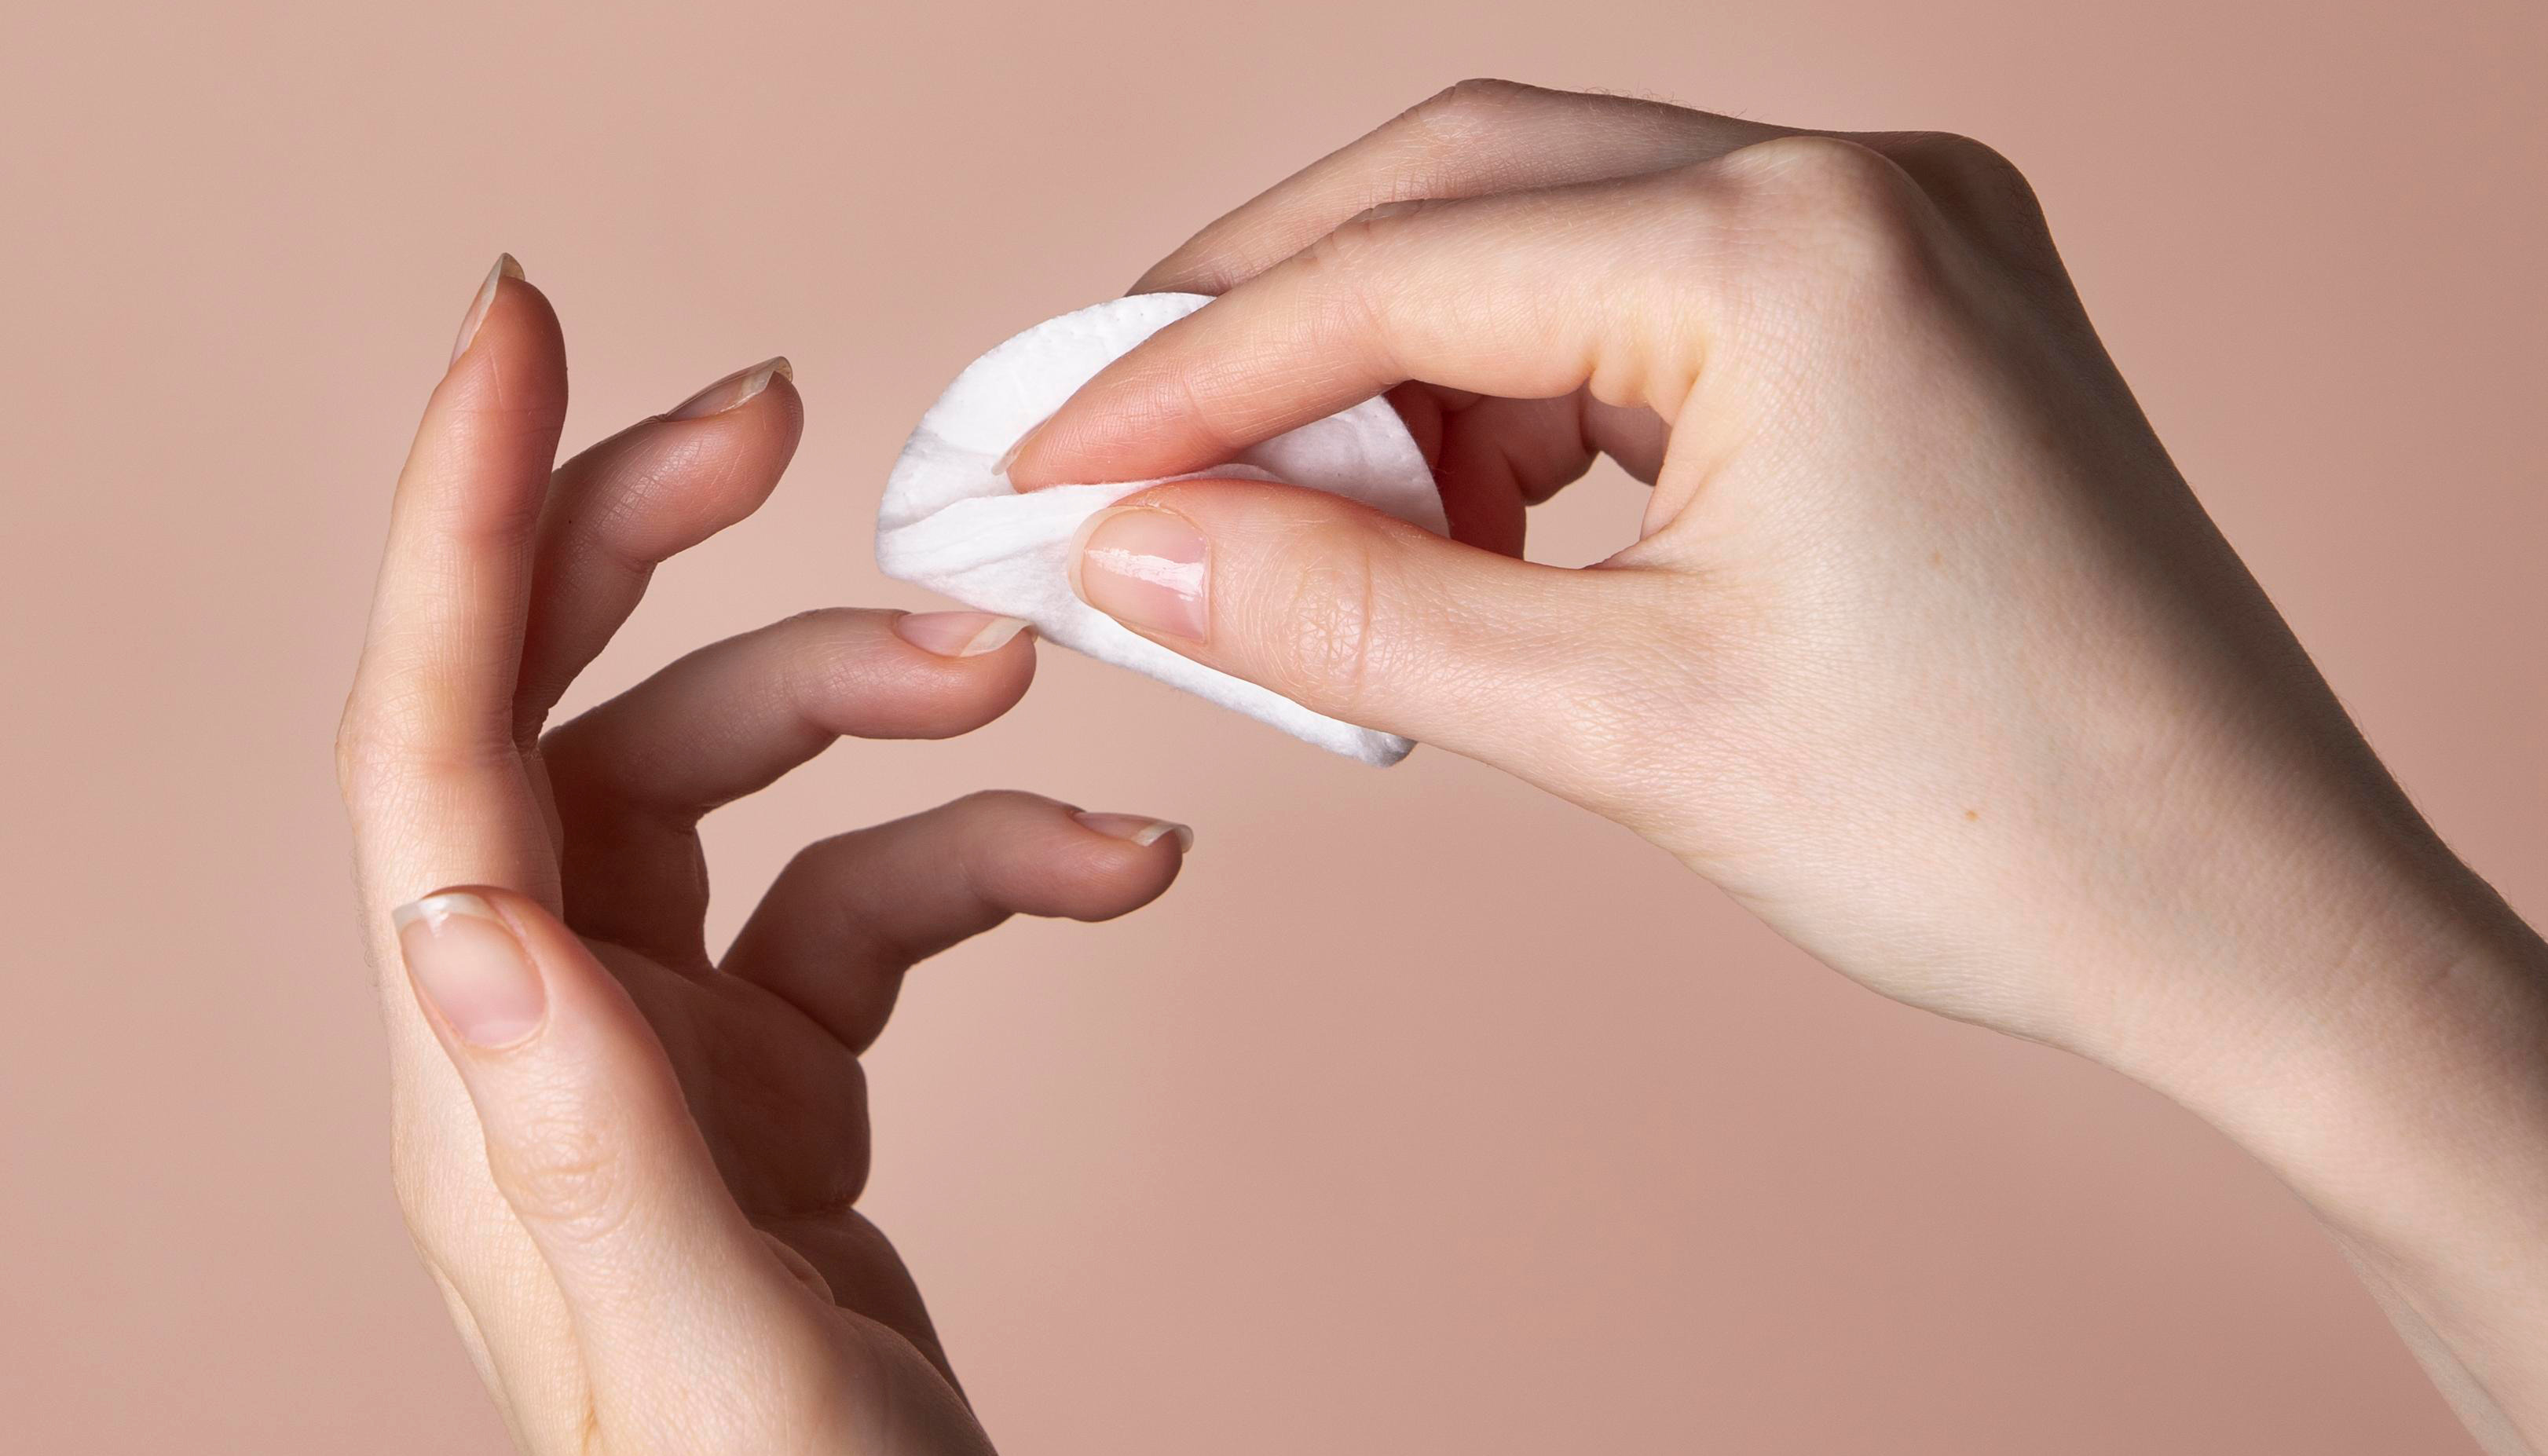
(2344, 985)
(2277, 922)
(2412, 1037)
(2391, 1067)
(2408, 1108)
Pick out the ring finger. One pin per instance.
(634, 776)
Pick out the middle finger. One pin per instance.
(1475, 138)
(648, 493)
(634, 775)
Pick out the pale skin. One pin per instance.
(1925, 653)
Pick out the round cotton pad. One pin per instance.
(950, 523)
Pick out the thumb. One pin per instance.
(591, 1146)
(1366, 618)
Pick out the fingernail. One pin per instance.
(1145, 568)
(1138, 829)
(1000, 466)
(504, 268)
(732, 390)
(958, 633)
(468, 967)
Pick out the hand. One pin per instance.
(1924, 651)
(633, 1167)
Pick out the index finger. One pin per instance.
(428, 727)
(1482, 294)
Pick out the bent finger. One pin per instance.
(634, 775)
(850, 915)
(618, 510)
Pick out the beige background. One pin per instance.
(1425, 1114)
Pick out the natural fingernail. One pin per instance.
(471, 322)
(958, 633)
(468, 967)
(1139, 829)
(732, 390)
(1001, 465)
(1145, 568)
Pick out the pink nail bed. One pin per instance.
(1148, 568)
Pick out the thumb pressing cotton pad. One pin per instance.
(950, 523)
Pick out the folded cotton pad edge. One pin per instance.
(951, 521)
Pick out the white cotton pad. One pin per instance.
(950, 523)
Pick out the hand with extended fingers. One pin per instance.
(634, 1167)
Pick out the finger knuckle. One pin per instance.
(564, 1172)
(1335, 271)
(386, 752)
(1464, 105)
(354, 743)
(1984, 190)
(1339, 253)
(1839, 210)
(1823, 173)
(1973, 170)
(1437, 137)
(1319, 618)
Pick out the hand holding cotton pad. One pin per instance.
(949, 520)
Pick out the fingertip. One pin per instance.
(1024, 464)
(980, 645)
(784, 402)
(1139, 830)
(506, 307)
(1042, 857)
(762, 395)
(471, 969)
(1171, 275)
(1146, 567)
(531, 1018)
(670, 481)
(993, 681)
(962, 634)
(772, 418)
(510, 351)
(505, 270)
(591, 1144)
(529, 921)
(1123, 861)
(569, 975)
(1082, 441)
(882, 683)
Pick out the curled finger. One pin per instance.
(850, 915)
